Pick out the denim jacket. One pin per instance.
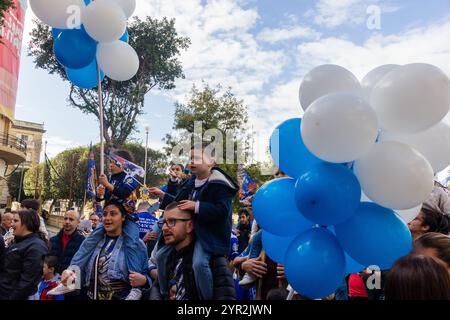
(117, 267)
(162, 256)
(123, 260)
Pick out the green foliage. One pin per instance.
(32, 181)
(158, 46)
(220, 110)
(215, 111)
(14, 184)
(4, 6)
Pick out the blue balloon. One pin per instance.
(125, 37)
(275, 210)
(315, 263)
(276, 246)
(288, 150)
(86, 2)
(374, 236)
(75, 49)
(56, 32)
(328, 194)
(85, 78)
(351, 266)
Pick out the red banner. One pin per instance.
(11, 37)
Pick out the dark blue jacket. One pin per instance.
(123, 187)
(2, 248)
(72, 247)
(213, 222)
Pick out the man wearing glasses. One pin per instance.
(176, 267)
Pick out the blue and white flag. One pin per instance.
(129, 167)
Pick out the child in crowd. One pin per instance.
(176, 178)
(209, 194)
(50, 280)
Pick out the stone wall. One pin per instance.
(56, 221)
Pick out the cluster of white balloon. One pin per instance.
(102, 34)
(391, 125)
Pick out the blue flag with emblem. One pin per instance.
(91, 176)
(129, 167)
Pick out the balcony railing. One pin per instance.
(13, 142)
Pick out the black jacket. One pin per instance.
(72, 247)
(2, 249)
(213, 222)
(244, 236)
(21, 268)
(188, 272)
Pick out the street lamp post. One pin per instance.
(146, 154)
(20, 184)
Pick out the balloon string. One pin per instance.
(100, 108)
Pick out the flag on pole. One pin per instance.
(91, 182)
(129, 167)
(91, 176)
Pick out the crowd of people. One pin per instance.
(192, 250)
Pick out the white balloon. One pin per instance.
(325, 79)
(407, 215)
(61, 14)
(128, 6)
(394, 175)
(433, 143)
(118, 60)
(104, 20)
(372, 78)
(411, 98)
(339, 127)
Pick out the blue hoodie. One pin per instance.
(124, 186)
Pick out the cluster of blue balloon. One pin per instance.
(80, 28)
(76, 51)
(314, 222)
